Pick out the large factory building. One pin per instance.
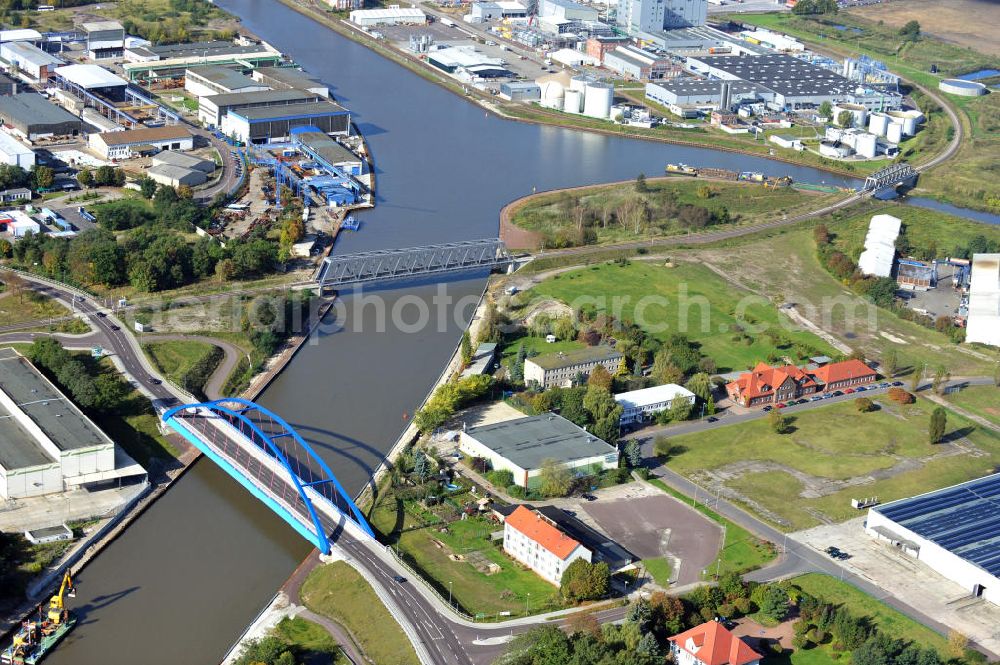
(47, 444)
(33, 116)
(274, 123)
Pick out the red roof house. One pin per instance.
(765, 384)
(711, 644)
(844, 374)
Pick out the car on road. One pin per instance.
(897, 384)
(839, 393)
(399, 578)
(116, 328)
(884, 385)
(589, 497)
(713, 419)
(767, 408)
(780, 405)
(815, 398)
(802, 401)
(849, 391)
(860, 389)
(155, 381)
(101, 315)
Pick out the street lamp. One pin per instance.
(526, 601)
(449, 593)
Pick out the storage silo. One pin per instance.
(878, 123)
(858, 112)
(725, 96)
(597, 100)
(580, 82)
(850, 66)
(865, 144)
(574, 101)
(908, 122)
(894, 133)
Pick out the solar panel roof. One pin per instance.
(963, 519)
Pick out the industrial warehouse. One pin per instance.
(48, 445)
(955, 531)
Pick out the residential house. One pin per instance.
(562, 369)
(711, 644)
(768, 385)
(536, 542)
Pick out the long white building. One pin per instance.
(955, 531)
(537, 543)
(880, 246)
(641, 405)
(983, 324)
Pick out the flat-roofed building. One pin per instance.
(149, 62)
(562, 369)
(955, 531)
(105, 39)
(211, 110)
(328, 152)
(275, 123)
(641, 405)
(523, 445)
(367, 18)
(33, 117)
(983, 324)
(218, 80)
(289, 78)
(687, 92)
(175, 176)
(123, 145)
(636, 63)
(47, 444)
(15, 153)
(30, 59)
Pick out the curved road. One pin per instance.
(213, 387)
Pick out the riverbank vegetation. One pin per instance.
(805, 477)
(338, 591)
(294, 641)
(652, 209)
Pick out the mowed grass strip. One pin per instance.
(338, 591)
(983, 401)
(175, 358)
(889, 620)
(836, 443)
(688, 299)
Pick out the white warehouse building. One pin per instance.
(15, 153)
(641, 405)
(983, 324)
(955, 531)
(392, 15)
(880, 246)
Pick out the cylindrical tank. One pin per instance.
(894, 134)
(859, 113)
(597, 100)
(878, 123)
(864, 145)
(907, 121)
(553, 94)
(574, 101)
(579, 83)
(962, 88)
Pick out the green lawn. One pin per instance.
(983, 401)
(659, 570)
(338, 591)
(824, 449)
(174, 359)
(552, 214)
(534, 346)
(310, 639)
(28, 306)
(688, 299)
(741, 551)
(890, 621)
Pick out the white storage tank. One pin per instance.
(894, 134)
(860, 114)
(865, 145)
(574, 101)
(553, 94)
(878, 123)
(836, 150)
(597, 100)
(908, 122)
(580, 82)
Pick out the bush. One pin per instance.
(864, 405)
(500, 478)
(516, 491)
(583, 580)
(897, 394)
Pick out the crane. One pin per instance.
(57, 610)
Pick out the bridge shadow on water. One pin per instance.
(324, 439)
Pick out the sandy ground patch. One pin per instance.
(969, 23)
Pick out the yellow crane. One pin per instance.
(56, 605)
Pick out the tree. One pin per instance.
(640, 613)
(939, 421)
(668, 610)
(6, 249)
(147, 187)
(44, 177)
(701, 385)
(774, 604)
(466, 348)
(16, 284)
(184, 192)
(897, 394)
(911, 30)
(640, 184)
(563, 328)
(680, 410)
(664, 370)
(779, 422)
(555, 479)
(845, 119)
(890, 363)
(599, 402)
(649, 647)
(662, 447)
(600, 378)
(268, 650)
(517, 367)
(996, 375)
(825, 110)
(421, 465)
(864, 405)
(941, 376)
(633, 454)
(916, 378)
(583, 580)
(85, 177)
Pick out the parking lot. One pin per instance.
(910, 580)
(652, 524)
(940, 301)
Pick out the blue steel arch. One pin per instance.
(288, 430)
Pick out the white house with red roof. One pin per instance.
(711, 644)
(536, 542)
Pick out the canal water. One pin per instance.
(183, 581)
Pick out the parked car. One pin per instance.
(815, 398)
(860, 389)
(712, 419)
(839, 393)
(897, 384)
(767, 408)
(780, 405)
(884, 385)
(849, 391)
(399, 578)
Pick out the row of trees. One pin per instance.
(89, 389)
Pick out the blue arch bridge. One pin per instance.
(269, 458)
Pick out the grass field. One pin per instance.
(809, 476)
(552, 214)
(174, 359)
(889, 621)
(338, 591)
(784, 267)
(536, 346)
(741, 551)
(983, 401)
(30, 306)
(688, 299)
(948, 21)
(659, 570)
(311, 639)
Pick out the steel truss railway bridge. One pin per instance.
(269, 458)
(389, 264)
(893, 176)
